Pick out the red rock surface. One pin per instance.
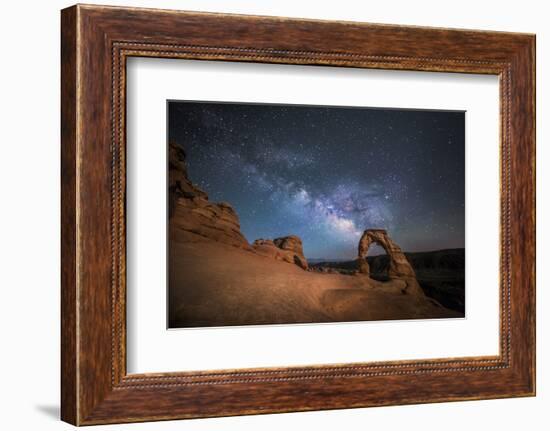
(288, 249)
(193, 218)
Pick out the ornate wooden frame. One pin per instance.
(95, 43)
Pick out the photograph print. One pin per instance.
(286, 214)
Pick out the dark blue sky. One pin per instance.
(328, 173)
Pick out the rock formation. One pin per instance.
(400, 268)
(193, 218)
(399, 265)
(288, 249)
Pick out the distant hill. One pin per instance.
(321, 260)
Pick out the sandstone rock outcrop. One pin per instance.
(399, 265)
(288, 249)
(400, 268)
(192, 217)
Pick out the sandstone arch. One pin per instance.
(399, 265)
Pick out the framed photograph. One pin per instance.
(265, 215)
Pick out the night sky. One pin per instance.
(328, 173)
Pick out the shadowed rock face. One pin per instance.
(288, 249)
(179, 185)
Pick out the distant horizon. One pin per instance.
(325, 174)
(327, 259)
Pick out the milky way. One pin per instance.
(328, 173)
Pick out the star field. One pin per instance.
(328, 173)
